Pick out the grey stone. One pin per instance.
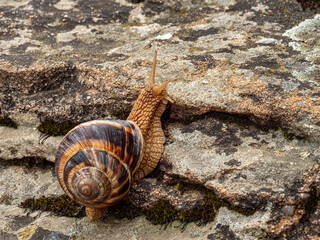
(18, 183)
(241, 75)
(147, 192)
(54, 236)
(238, 162)
(230, 225)
(75, 61)
(25, 141)
(288, 210)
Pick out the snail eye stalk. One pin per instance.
(158, 89)
(153, 72)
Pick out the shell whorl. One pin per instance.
(96, 160)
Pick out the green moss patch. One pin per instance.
(7, 122)
(6, 199)
(121, 114)
(132, 24)
(125, 209)
(163, 212)
(56, 129)
(61, 206)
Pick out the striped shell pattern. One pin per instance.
(96, 160)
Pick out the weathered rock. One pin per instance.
(26, 140)
(214, 70)
(18, 184)
(230, 225)
(247, 166)
(215, 154)
(75, 61)
(308, 228)
(147, 192)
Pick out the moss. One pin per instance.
(279, 48)
(250, 43)
(211, 201)
(197, 49)
(244, 211)
(125, 209)
(27, 162)
(56, 129)
(122, 114)
(178, 12)
(6, 199)
(192, 215)
(132, 24)
(61, 206)
(288, 136)
(156, 173)
(163, 212)
(184, 33)
(7, 122)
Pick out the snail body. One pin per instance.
(97, 161)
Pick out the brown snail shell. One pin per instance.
(96, 160)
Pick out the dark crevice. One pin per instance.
(309, 207)
(7, 122)
(242, 121)
(51, 128)
(28, 163)
(313, 5)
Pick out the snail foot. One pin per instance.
(94, 214)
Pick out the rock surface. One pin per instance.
(244, 123)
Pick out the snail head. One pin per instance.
(151, 101)
(158, 88)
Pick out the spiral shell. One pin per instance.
(96, 160)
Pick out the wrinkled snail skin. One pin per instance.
(97, 161)
(146, 113)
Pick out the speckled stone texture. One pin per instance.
(244, 122)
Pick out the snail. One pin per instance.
(97, 161)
